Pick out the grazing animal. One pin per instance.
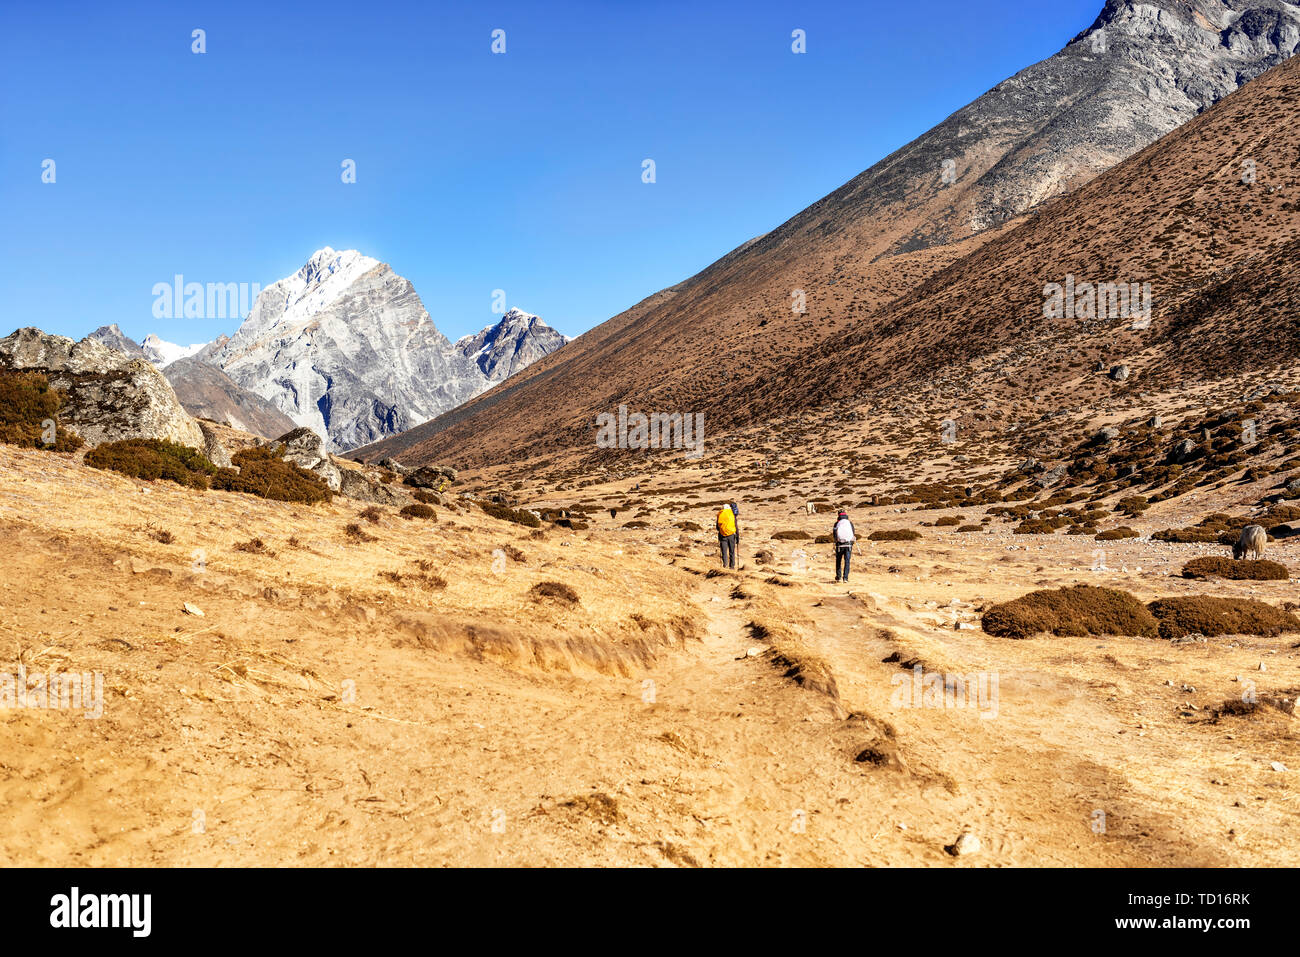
(1252, 542)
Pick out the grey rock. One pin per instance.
(1052, 476)
(1119, 373)
(1182, 451)
(431, 476)
(109, 395)
(306, 449)
(213, 447)
(966, 843)
(364, 487)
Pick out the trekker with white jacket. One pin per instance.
(844, 538)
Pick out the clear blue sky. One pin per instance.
(475, 171)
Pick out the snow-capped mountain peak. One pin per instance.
(162, 353)
(345, 346)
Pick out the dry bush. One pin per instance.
(508, 514)
(154, 459)
(1075, 611)
(950, 521)
(1212, 528)
(264, 473)
(557, 592)
(1117, 534)
(514, 554)
(426, 498)
(417, 510)
(1201, 615)
(791, 536)
(895, 535)
(370, 514)
(1227, 568)
(354, 532)
(26, 403)
(971, 528)
(255, 546)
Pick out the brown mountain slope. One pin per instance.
(1218, 252)
(732, 327)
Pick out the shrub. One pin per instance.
(1076, 611)
(418, 510)
(1133, 506)
(895, 535)
(370, 514)
(971, 528)
(1199, 615)
(255, 546)
(791, 536)
(1226, 568)
(426, 498)
(264, 473)
(1209, 529)
(508, 514)
(26, 403)
(554, 591)
(354, 532)
(822, 540)
(948, 522)
(1116, 534)
(152, 459)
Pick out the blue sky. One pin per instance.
(475, 171)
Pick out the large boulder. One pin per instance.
(365, 486)
(108, 396)
(431, 476)
(213, 447)
(306, 449)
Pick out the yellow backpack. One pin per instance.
(726, 521)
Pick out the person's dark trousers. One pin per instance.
(842, 555)
(728, 545)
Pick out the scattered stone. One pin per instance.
(194, 610)
(966, 843)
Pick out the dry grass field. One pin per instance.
(468, 691)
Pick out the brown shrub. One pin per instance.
(262, 472)
(554, 591)
(508, 514)
(1116, 534)
(426, 498)
(1201, 615)
(26, 403)
(371, 515)
(354, 532)
(1210, 529)
(255, 546)
(1227, 568)
(417, 510)
(971, 528)
(791, 536)
(152, 459)
(895, 535)
(1075, 611)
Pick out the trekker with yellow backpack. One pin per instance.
(728, 534)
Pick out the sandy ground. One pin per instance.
(319, 713)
